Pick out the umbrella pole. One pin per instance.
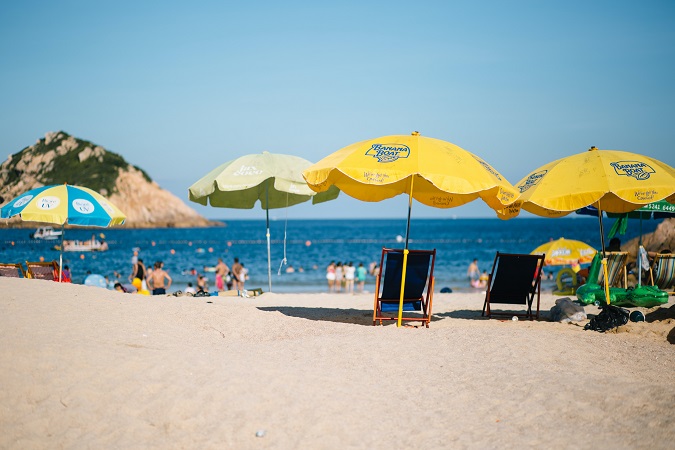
(269, 256)
(405, 256)
(602, 231)
(639, 260)
(63, 232)
(604, 256)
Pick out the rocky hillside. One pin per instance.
(60, 158)
(663, 238)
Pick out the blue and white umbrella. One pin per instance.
(63, 204)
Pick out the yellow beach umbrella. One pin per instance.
(432, 171)
(565, 252)
(610, 180)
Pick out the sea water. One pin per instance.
(309, 246)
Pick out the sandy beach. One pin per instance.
(83, 367)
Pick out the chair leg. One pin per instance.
(486, 309)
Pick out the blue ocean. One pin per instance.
(309, 246)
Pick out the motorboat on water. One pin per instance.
(46, 233)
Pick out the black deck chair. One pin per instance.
(515, 279)
(419, 276)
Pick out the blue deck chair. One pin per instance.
(419, 278)
(12, 270)
(515, 280)
(663, 272)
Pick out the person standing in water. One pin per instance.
(361, 276)
(221, 274)
(237, 274)
(472, 272)
(330, 276)
(156, 279)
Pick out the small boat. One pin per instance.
(83, 246)
(46, 233)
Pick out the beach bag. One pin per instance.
(567, 311)
(609, 318)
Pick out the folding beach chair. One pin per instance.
(616, 270)
(515, 280)
(419, 276)
(12, 270)
(663, 271)
(43, 270)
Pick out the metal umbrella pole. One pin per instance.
(269, 254)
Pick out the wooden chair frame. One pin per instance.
(662, 279)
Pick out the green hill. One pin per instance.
(68, 159)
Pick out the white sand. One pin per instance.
(87, 368)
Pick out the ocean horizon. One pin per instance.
(309, 245)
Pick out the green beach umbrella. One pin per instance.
(657, 210)
(274, 180)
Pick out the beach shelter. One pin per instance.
(610, 180)
(563, 252)
(63, 204)
(432, 171)
(275, 180)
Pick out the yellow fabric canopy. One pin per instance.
(565, 252)
(611, 180)
(443, 175)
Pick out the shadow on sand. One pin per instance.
(663, 314)
(473, 314)
(365, 317)
(338, 315)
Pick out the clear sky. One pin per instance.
(180, 87)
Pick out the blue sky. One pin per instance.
(180, 87)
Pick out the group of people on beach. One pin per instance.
(156, 280)
(233, 278)
(226, 278)
(344, 275)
